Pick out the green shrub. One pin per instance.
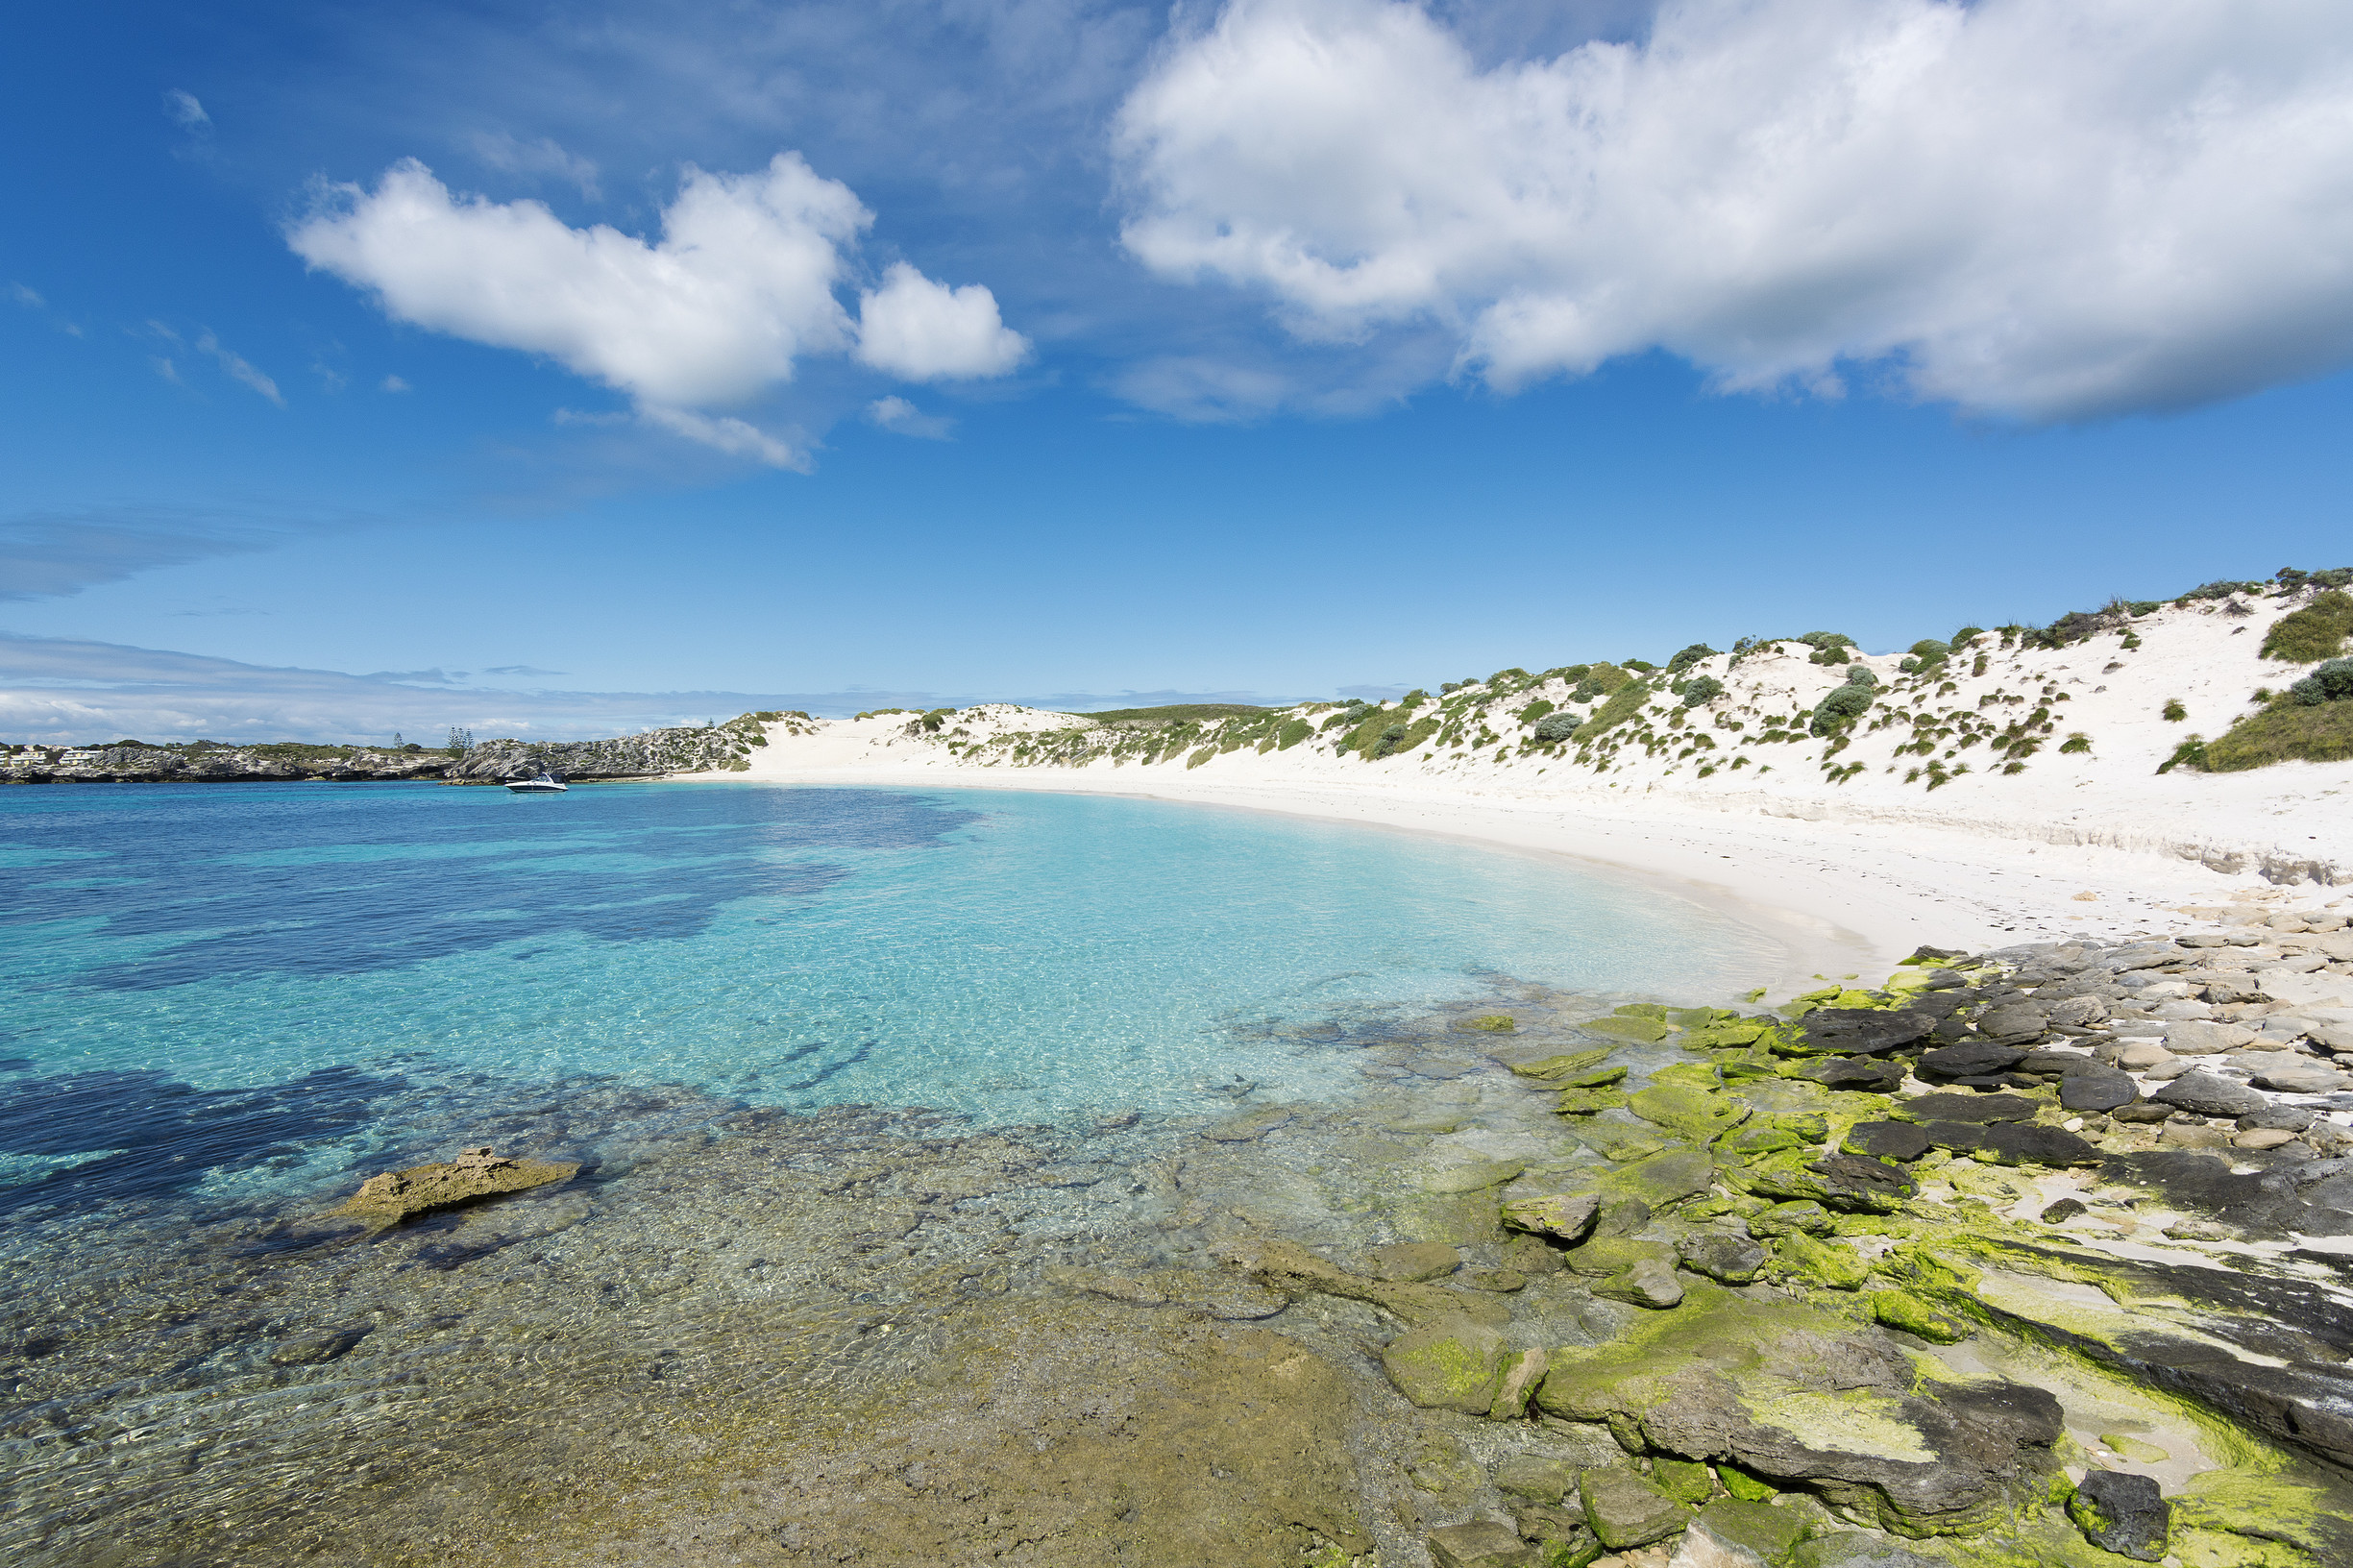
(2076, 741)
(1965, 636)
(2174, 712)
(1690, 656)
(1292, 733)
(1927, 650)
(1706, 689)
(1628, 700)
(1643, 665)
(1861, 675)
(2331, 682)
(2317, 632)
(1828, 655)
(2286, 729)
(2190, 753)
(1558, 727)
(1840, 708)
(1534, 711)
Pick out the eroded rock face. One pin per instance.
(1799, 1396)
(476, 1174)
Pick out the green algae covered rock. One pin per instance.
(1644, 1030)
(1479, 1543)
(1620, 1142)
(1456, 1366)
(1844, 1182)
(1608, 1255)
(1594, 1078)
(1650, 1284)
(1902, 1309)
(1588, 1102)
(1799, 1259)
(1795, 1395)
(1703, 1036)
(1626, 1510)
(1687, 1480)
(1568, 1216)
(1743, 1486)
(1767, 1532)
(1689, 1074)
(1490, 1023)
(1561, 1066)
(1662, 1179)
(1699, 1114)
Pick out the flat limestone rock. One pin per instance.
(1626, 1511)
(2210, 1094)
(476, 1174)
(1858, 1030)
(1886, 1140)
(1480, 1543)
(1793, 1394)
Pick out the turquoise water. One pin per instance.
(236, 994)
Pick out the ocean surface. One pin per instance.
(228, 992)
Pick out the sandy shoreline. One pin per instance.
(1838, 896)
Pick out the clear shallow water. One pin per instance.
(232, 992)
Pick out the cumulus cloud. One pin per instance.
(740, 285)
(928, 331)
(2046, 208)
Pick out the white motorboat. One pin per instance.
(544, 784)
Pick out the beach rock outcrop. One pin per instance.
(1804, 1398)
(2121, 1512)
(395, 1195)
(1456, 1366)
(1626, 1510)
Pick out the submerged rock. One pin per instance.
(476, 1174)
(1415, 1260)
(1568, 1216)
(1480, 1543)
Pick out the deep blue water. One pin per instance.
(231, 993)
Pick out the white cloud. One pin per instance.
(392, 383)
(28, 297)
(238, 369)
(738, 288)
(928, 331)
(183, 108)
(2053, 209)
(903, 418)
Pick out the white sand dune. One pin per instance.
(1875, 860)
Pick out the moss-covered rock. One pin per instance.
(1554, 1067)
(1799, 1259)
(1664, 1179)
(1603, 1256)
(1901, 1310)
(1586, 1102)
(1626, 1511)
(1627, 1027)
(1649, 1283)
(1758, 1528)
(1699, 1114)
(1457, 1365)
(1838, 1181)
(1568, 1216)
(1490, 1023)
(1797, 1395)
(1687, 1480)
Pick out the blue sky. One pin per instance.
(1077, 353)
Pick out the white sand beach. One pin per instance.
(2094, 841)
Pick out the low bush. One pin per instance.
(1534, 711)
(1861, 675)
(2285, 731)
(1628, 700)
(1292, 733)
(1829, 655)
(2331, 682)
(1841, 708)
(2317, 632)
(1927, 650)
(1690, 656)
(2174, 712)
(1706, 689)
(1557, 728)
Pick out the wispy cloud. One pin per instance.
(392, 383)
(543, 156)
(183, 108)
(514, 670)
(30, 299)
(900, 417)
(238, 368)
(45, 554)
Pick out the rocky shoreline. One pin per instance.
(2003, 1262)
(655, 754)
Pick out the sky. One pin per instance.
(564, 371)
